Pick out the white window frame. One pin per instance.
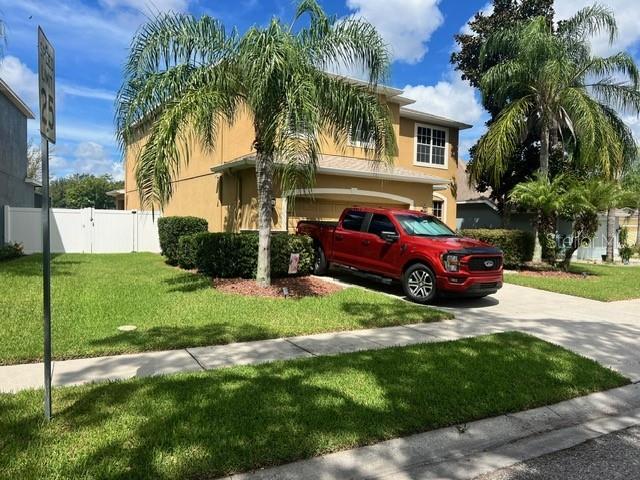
(440, 198)
(360, 144)
(446, 147)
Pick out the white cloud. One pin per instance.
(87, 92)
(452, 98)
(85, 132)
(91, 157)
(627, 16)
(21, 79)
(406, 25)
(148, 6)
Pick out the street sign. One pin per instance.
(47, 87)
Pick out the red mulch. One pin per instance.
(553, 274)
(298, 287)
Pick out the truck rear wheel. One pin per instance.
(321, 265)
(419, 283)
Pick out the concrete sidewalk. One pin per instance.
(606, 332)
(465, 452)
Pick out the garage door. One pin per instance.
(327, 210)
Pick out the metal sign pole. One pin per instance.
(46, 276)
(47, 93)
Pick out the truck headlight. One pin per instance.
(451, 262)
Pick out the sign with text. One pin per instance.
(47, 87)
(294, 261)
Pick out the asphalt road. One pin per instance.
(610, 457)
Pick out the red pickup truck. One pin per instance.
(420, 251)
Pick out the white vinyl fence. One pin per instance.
(85, 230)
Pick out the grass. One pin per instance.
(94, 294)
(604, 282)
(213, 423)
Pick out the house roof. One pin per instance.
(115, 193)
(465, 193)
(428, 117)
(346, 167)
(395, 95)
(16, 100)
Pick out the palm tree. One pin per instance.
(553, 88)
(545, 198)
(188, 76)
(582, 203)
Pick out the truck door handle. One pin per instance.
(366, 242)
(338, 237)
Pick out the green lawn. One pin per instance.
(604, 282)
(94, 294)
(214, 423)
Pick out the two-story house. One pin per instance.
(221, 185)
(16, 188)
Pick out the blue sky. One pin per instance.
(91, 40)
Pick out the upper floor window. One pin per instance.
(431, 145)
(357, 139)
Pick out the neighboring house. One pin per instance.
(16, 189)
(477, 210)
(221, 185)
(118, 198)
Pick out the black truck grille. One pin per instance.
(484, 263)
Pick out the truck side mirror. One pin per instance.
(389, 236)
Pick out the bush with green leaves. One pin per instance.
(230, 255)
(516, 245)
(171, 229)
(9, 251)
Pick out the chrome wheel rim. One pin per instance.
(420, 283)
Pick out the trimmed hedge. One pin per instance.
(170, 229)
(9, 251)
(517, 245)
(230, 255)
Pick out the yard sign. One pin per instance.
(47, 91)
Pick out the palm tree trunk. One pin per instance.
(544, 152)
(264, 180)
(611, 234)
(544, 171)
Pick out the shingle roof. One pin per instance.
(349, 167)
(15, 99)
(465, 192)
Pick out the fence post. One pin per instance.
(7, 223)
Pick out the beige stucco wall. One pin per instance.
(228, 202)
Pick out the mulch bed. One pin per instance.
(298, 287)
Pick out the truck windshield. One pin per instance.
(424, 226)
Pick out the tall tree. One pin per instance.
(553, 87)
(82, 191)
(504, 14)
(187, 76)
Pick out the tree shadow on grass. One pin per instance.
(187, 282)
(210, 424)
(171, 337)
(31, 265)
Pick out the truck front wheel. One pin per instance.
(419, 283)
(321, 265)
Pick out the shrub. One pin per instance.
(170, 229)
(517, 245)
(9, 251)
(229, 255)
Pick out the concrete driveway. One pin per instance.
(608, 332)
